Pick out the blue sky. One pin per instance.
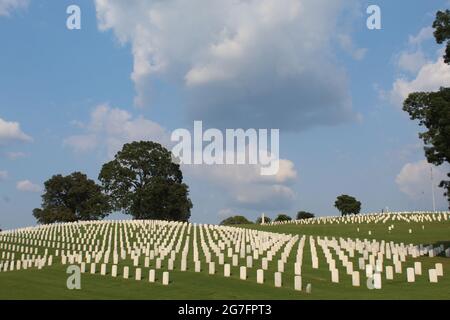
(138, 70)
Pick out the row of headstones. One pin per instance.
(369, 268)
(390, 248)
(152, 275)
(280, 268)
(374, 218)
(16, 265)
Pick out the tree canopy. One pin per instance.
(347, 205)
(432, 109)
(266, 220)
(304, 215)
(282, 217)
(441, 27)
(235, 220)
(71, 198)
(144, 182)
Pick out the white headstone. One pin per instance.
(355, 279)
(226, 270)
(103, 269)
(439, 269)
(418, 268)
(138, 274)
(389, 273)
(212, 268)
(260, 276)
(198, 266)
(410, 273)
(243, 273)
(151, 275)
(165, 280)
(335, 276)
(432, 275)
(308, 288)
(298, 283)
(114, 271)
(377, 280)
(278, 281)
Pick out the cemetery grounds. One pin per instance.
(403, 255)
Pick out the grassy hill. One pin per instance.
(49, 282)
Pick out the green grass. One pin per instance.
(50, 283)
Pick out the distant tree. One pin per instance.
(266, 220)
(144, 182)
(432, 109)
(235, 220)
(304, 215)
(347, 205)
(71, 198)
(441, 27)
(282, 217)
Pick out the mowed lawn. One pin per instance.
(50, 283)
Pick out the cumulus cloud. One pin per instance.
(419, 73)
(414, 180)
(430, 77)
(110, 128)
(8, 6)
(412, 61)
(253, 63)
(246, 187)
(10, 132)
(27, 186)
(423, 35)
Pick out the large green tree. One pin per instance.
(71, 198)
(144, 182)
(347, 205)
(432, 109)
(441, 27)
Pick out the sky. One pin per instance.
(137, 70)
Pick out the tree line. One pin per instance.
(344, 203)
(141, 181)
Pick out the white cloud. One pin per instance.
(27, 186)
(245, 185)
(253, 63)
(414, 180)
(348, 46)
(422, 73)
(7, 6)
(430, 77)
(10, 131)
(3, 175)
(412, 61)
(110, 128)
(423, 35)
